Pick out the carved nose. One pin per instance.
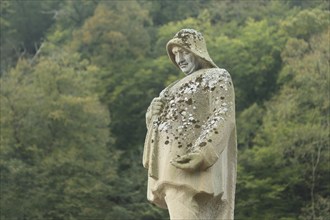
(180, 58)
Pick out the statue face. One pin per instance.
(185, 60)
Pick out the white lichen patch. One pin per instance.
(195, 109)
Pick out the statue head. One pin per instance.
(187, 50)
(186, 60)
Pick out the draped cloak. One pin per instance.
(198, 116)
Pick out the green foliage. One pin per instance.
(124, 88)
(116, 30)
(253, 56)
(73, 13)
(293, 144)
(62, 157)
(54, 136)
(249, 123)
(23, 25)
(130, 196)
(227, 11)
(306, 23)
(163, 12)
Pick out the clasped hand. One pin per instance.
(189, 162)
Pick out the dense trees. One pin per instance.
(77, 77)
(292, 142)
(54, 154)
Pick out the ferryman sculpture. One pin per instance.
(190, 147)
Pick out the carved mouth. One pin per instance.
(183, 65)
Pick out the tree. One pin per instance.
(107, 36)
(285, 173)
(23, 27)
(56, 160)
(63, 158)
(163, 12)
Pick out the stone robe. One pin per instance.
(198, 116)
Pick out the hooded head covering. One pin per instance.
(194, 42)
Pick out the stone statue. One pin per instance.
(190, 148)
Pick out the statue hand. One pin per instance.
(156, 107)
(189, 162)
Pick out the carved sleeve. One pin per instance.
(148, 117)
(220, 122)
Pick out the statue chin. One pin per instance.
(189, 69)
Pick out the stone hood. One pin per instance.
(192, 41)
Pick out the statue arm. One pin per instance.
(216, 131)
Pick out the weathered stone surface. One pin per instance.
(190, 148)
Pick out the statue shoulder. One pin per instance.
(216, 74)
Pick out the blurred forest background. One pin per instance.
(78, 75)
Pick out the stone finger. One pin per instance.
(157, 105)
(157, 108)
